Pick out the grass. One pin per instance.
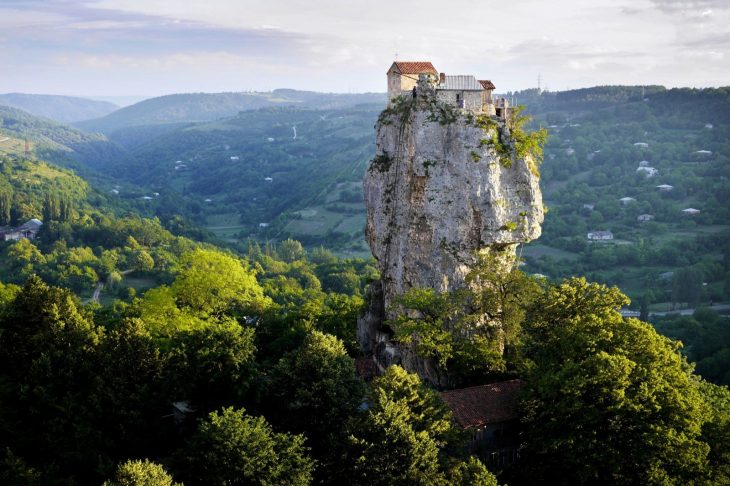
(140, 284)
(538, 250)
(225, 226)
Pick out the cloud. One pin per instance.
(168, 45)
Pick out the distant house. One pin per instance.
(263, 225)
(114, 191)
(600, 235)
(690, 211)
(629, 313)
(644, 163)
(666, 275)
(589, 206)
(704, 152)
(27, 231)
(665, 187)
(648, 171)
(491, 413)
(641, 144)
(643, 218)
(269, 179)
(234, 157)
(569, 151)
(208, 200)
(627, 200)
(709, 126)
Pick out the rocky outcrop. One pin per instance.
(444, 185)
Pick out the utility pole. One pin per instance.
(539, 83)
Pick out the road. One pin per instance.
(689, 312)
(97, 292)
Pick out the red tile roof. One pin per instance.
(486, 404)
(486, 84)
(418, 67)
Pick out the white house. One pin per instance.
(690, 211)
(643, 218)
(704, 152)
(269, 179)
(644, 163)
(665, 187)
(648, 171)
(600, 235)
(641, 144)
(627, 200)
(234, 157)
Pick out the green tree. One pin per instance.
(233, 448)
(716, 432)
(608, 400)
(316, 388)
(48, 371)
(290, 250)
(687, 286)
(471, 331)
(142, 261)
(404, 436)
(130, 394)
(212, 366)
(141, 473)
(212, 282)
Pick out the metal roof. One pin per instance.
(461, 82)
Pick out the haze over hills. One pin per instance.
(201, 107)
(64, 109)
(57, 142)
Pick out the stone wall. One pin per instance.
(472, 99)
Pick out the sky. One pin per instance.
(156, 47)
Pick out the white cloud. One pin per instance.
(339, 46)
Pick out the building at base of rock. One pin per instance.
(491, 415)
(463, 91)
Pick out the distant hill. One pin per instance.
(59, 143)
(64, 109)
(201, 107)
(264, 166)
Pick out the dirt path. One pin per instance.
(100, 286)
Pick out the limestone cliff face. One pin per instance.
(437, 192)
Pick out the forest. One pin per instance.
(231, 359)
